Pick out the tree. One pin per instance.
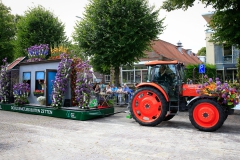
(7, 33)
(115, 33)
(202, 52)
(38, 26)
(224, 21)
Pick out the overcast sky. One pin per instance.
(188, 27)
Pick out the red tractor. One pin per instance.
(165, 94)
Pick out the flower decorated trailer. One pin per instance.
(162, 97)
(58, 86)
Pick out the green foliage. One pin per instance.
(7, 33)
(192, 72)
(170, 5)
(202, 52)
(117, 32)
(224, 22)
(38, 26)
(226, 27)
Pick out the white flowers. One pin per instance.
(41, 99)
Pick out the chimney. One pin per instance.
(179, 46)
(189, 52)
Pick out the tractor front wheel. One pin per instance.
(148, 106)
(206, 115)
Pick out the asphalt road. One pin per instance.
(33, 137)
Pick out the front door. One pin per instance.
(49, 85)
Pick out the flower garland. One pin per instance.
(37, 52)
(73, 77)
(61, 81)
(4, 82)
(83, 86)
(21, 92)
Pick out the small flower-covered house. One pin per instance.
(55, 78)
(40, 76)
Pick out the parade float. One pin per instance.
(57, 86)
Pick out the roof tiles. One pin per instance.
(172, 52)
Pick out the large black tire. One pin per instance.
(228, 111)
(207, 115)
(170, 115)
(148, 106)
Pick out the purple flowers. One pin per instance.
(21, 92)
(37, 52)
(61, 81)
(83, 86)
(4, 82)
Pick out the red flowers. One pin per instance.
(38, 91)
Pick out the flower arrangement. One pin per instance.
(21, 92)
(227, 93)
(4, 81)
(38, 92)
(57, 51)
(61, 81)
(37, 52)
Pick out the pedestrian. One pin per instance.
(97, 93)
(126, 92)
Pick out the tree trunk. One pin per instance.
(116, 76)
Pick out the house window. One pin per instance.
(107, 78)
(27, 78)
(227, 54)
(40, 80)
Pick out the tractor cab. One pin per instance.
(167, 74)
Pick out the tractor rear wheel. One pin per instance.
(170, 115)
(206, 115)
(148, 106)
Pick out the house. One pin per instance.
(224, 57)
(36, 74)
(161, 50)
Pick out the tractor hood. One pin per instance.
(190, 90)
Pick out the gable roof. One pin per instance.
(14, 63)
(171, 52)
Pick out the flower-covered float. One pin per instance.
(62, 82)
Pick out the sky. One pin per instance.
(188, 27)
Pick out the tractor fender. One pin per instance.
(156, 86)
(190, 102)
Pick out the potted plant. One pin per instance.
(38, 93)
(41, 100)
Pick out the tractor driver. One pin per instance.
(163, 76)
